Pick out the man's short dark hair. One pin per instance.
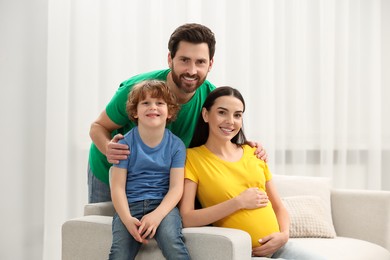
(192, 33)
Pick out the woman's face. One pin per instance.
(224, 117)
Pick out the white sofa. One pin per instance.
(361, 220)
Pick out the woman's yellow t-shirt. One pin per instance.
(219, 180)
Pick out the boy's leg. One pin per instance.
(124, 245)
(170, 238)
(98, 191)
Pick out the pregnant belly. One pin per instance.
(257, 222)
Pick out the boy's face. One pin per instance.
(190, 66)
(152, 112)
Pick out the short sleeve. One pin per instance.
(267, 173)
(189, 171)
(179, 155)
(116, 108)
(123, 163)
(260, 164)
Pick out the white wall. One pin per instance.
(23, 42)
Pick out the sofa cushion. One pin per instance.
(291, 186)
(308, 217)
(343, 248)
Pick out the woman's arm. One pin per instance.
(121, 205)
(270, 244)
(151, 221)
(248, 199)
(277, 204)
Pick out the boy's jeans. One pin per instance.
(169, 235)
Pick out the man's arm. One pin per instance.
(260, 152)
(100, 133)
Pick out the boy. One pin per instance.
(146, 187)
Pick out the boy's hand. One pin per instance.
(149, 225)
(132, 227)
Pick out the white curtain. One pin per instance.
(315, 75)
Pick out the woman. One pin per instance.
(234, 188)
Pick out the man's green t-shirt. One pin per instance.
(183, 126)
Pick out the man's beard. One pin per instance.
(185, 87)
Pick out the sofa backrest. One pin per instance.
(303, 185)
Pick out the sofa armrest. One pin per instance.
(100, 209)
(218, 243)
(90, 237)
(362, 214)
(87, 238)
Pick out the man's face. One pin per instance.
(190, 66)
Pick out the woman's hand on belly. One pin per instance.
(252, 198)
(270, 244)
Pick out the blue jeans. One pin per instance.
(293, 251)
(168, 234)
(98, 191)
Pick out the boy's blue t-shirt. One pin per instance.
(148, 169)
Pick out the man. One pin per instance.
(191, 56)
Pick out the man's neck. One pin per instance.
(181, 96)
